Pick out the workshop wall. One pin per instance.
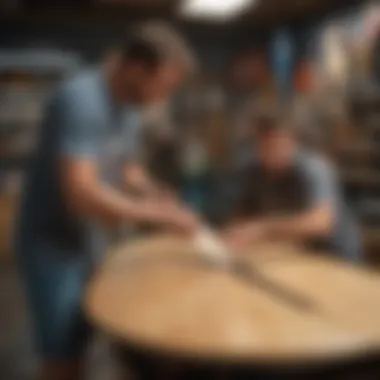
(91, 40)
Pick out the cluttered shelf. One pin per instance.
(26, 79)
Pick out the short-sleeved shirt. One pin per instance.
(81, 120)
(310, 181)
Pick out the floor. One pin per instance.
(17, 361)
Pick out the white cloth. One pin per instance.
(211, 246)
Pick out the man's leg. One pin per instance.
(54, 287)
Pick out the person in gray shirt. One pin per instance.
(76, 186)
(286, 191)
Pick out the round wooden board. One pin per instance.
(156, 293)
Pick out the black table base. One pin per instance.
(148, 366)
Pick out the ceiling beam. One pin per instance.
(266, 15)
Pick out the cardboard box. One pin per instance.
(8, 210)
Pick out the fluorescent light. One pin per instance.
(215, 9)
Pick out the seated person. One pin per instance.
(288, 192)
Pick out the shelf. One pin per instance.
(371, 236)
(39, 61)
(360, 149)
(8, 206)
(19, 162)
(361, 177)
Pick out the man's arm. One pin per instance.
(79, 146)
(319, 218)
(137, 181)
(316, 221)
(88, 197)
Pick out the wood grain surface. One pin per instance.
(159, 294)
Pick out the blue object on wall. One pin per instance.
(282, 54)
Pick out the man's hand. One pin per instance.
(171, 215)
(182, 220)
(240, 236)
(166, 196)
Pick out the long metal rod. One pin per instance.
(251, 273)
(246, 271)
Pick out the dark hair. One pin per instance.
(156, 43)
(271, 120)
